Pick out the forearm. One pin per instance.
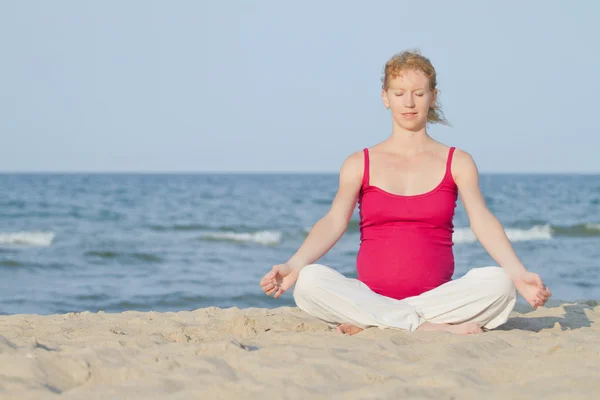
(492, 237)
(323, 235)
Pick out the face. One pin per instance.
(409, 98)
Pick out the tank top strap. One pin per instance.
(449, 161)
(365, 180)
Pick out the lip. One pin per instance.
(409, 114)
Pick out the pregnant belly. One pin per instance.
(404, 271)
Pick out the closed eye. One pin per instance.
(417, 94)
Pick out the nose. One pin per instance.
(410, 103)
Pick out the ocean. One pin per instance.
(170, 242)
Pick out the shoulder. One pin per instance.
(463, 166)
(461, 157)
(355, 160)
(353, 166)
(356, 157)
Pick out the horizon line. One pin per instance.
(241, 172)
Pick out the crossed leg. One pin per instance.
(483, 298)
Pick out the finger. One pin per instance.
(268, 287)
(271, 291)
(546, 296)
(540, 303)
(279, 292)
(266, 279)
(533, 303)
(541, 296)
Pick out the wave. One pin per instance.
(260, 237)
(353, 227)
(578, 230)
(107, 254)
(538, 232)
(199, 227)
(179, 227)
(35, 238)
(11, 263)
(461, 234)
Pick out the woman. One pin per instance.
(406, 188)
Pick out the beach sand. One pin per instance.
(283, 353)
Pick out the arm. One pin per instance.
(484, 224)
(329, 229)
(324, 234)
(490, 232)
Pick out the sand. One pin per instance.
(283, 353)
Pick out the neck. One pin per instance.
(409, 142)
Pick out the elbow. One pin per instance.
(480, 219)
(337, 223)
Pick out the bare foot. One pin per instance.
(466, 328)
(348, 329)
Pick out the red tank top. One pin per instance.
(406, 241)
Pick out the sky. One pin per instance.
(277, 86)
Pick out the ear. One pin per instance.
(384, 97)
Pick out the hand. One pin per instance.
(281, 278)
(532, 288)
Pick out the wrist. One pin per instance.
(295, 264)
(515, 272)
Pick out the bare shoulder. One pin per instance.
(354, 158)
(463, 165)
(353, 165)
(462, 156)
(350, 182)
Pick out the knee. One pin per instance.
(308, 279)
(500, 284)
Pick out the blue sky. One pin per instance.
(289, 86)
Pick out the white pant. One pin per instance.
(484, 295)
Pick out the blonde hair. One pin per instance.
(413, 60)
